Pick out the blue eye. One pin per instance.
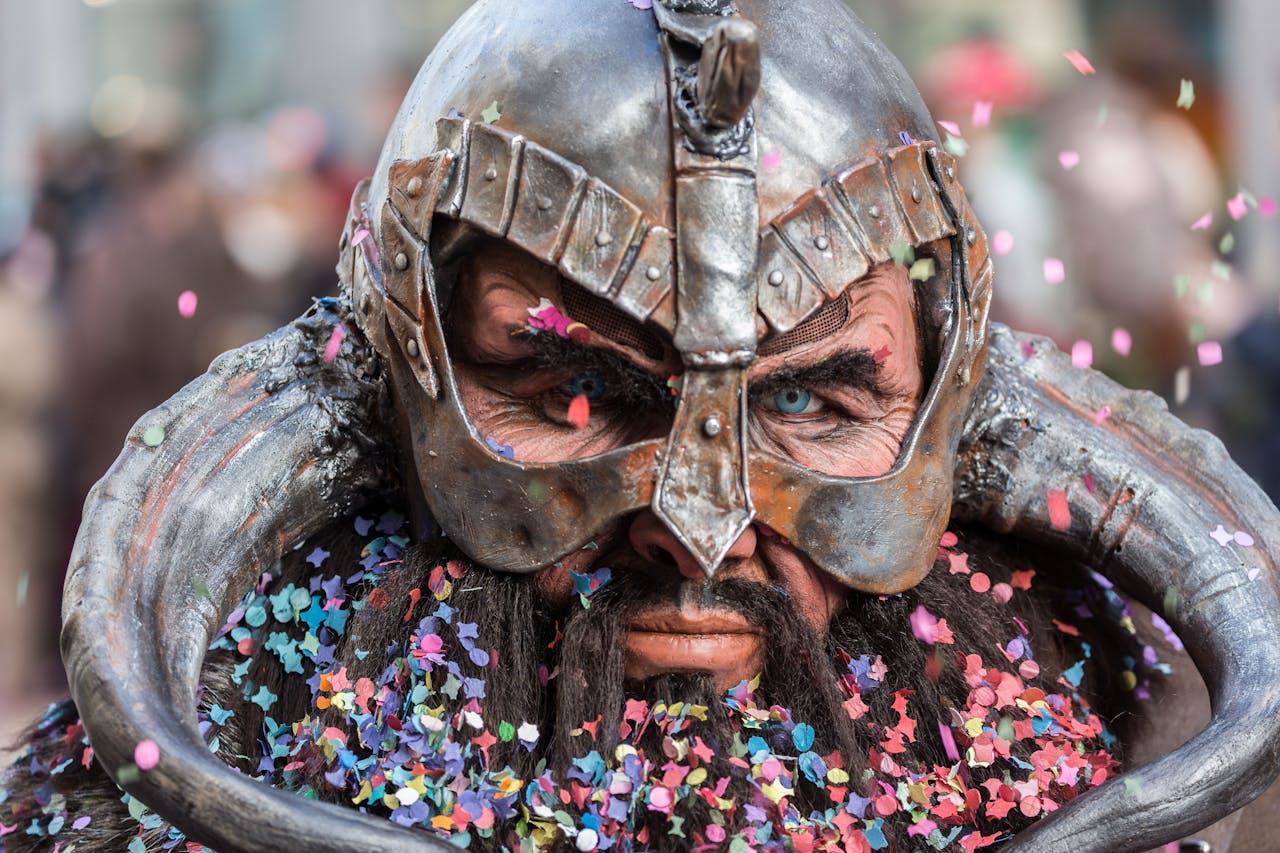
(792, 401)
(590, 385)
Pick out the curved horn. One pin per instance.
(211, 488)
(1144, 493)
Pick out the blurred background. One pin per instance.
(174, 174)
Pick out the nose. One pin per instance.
(654, 541)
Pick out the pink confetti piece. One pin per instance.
(1244, 540)
(1101, 415)
(1059, 511)
(334, 344)
(1089, 482)
(1082, 354)
(1203, 222)
(948, 741)
(1002, 593)
(146, 754)
(1121, 341)
(950, 127)
(360, 236)
(770, 160)
(982, 113)
(1069, 159)
(1081, 64)
(1055, 272)
(642, 5)
(1254, 573)
(1267, 207)
(1237, 206)
(1220, 535)
(187, 302)
(1002, 242)
(1209, 353)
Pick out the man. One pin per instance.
(668, 328)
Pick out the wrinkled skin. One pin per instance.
(851, 424)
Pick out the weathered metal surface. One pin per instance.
(1145, 492)
(267, 448)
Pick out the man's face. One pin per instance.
(839, 403)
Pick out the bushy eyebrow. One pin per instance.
(549, 351)
(850, 369)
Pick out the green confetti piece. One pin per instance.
(128, 774)
(1187, 95)
(1170, 603)
(1221, 270)
(922, 270)
(1227, 243)
(491, 113)
(23, 583)
(202, 589)
(1198, 333)
(506, 731)
(955, 146)
(1181, 284)
(153, 436)
(1101, 117)
(902, 253)
(1204, 293)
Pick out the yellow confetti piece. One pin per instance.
(491, 113)
(922, 270)
(696, 776)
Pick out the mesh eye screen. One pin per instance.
(830, 319)
(605, 319)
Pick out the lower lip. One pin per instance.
(730, 658)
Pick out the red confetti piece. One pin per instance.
(146, 754)
(187, 302)
(881, 355)
(1081, 64)
(979, 582)
(334, 344)
(579, 412)
(1059, 512)
(949, 540)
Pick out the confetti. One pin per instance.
(187, 301)
(1079, 62)
(1267, 207)
(1059, 511)
(770, 160)
(359, 236)
(1203, 222)
(922, 270)
(950, 127)
(1002, 242)
(1055, 272)
(982, 113)
(1186, 95)
(1244, 540)
(23, 583)
(1221, 536)
(1069, 159)
(153, 436)
(146, 754)
(1121, 341)
(579, 412)
(642, 5)
(491, 113)
(1209, 353)
(334, 344)
(1237, 207)
(1082, 354)
(1182, 385)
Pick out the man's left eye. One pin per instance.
(794, 401)
(590, 385)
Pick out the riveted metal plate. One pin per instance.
(547, 198)
(455, 135)
(415, 186)
(785, 294)
(651, 277)
(401, 258)
(493, 172)
(918, 195)
(601, 235)
(871, 200)
(413, 348)
(814, 230)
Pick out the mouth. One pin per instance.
(692, 639)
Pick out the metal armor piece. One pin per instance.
(683, 229)
(587, 170)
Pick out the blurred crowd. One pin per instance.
(187, 204)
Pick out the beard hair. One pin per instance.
(560, 671)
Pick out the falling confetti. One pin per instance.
(1187, 95)
(982, 113)
(1055, 272)
(1069, 159)
(1181, 385)
(1082, 354)
(1203, 222)
(23, 583)
(187, 301)
(1209, 353)
(1081, 64)
(1267, 207)
(1237, 206)
(1121, 341)
(146, 754)
(771, 159)
(950, 127)
(1002, 242)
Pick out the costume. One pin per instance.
(707, 186)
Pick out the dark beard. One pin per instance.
(572, 685)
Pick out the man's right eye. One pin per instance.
(590, 384)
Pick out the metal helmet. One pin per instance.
(701, 169)
(635, 153)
